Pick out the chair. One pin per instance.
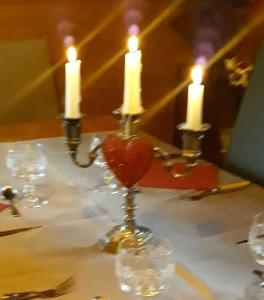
(22, 63)
(245, 154)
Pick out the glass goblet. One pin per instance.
(256, 244)
(27, 161)
(144, 267)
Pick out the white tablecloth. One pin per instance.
(203, 233)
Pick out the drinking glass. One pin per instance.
(108, 182)
(27, 161)
(256, 244)
(144, 267)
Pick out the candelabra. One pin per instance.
(129, 128)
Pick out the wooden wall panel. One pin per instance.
(166, 49)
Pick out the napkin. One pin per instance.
(195, 282)
(202, 177)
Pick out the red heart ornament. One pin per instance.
(129, 159)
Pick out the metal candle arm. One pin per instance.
(191, 152)
(72, 130)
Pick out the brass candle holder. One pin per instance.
(129, 128)
(129, 125)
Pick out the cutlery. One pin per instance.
(260, 236)
(63, 288)
(221, 189)
(13, 231)
(9, 193)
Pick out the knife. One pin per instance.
(260, 236)
(221, 189)
(13, 231)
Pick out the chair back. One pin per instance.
(24, 98)
(245, 155)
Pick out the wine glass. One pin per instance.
(27, 161)
(144, 267)
(108, 182)
(256, 244)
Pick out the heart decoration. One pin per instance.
(129, 159)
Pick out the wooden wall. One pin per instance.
(101, 27)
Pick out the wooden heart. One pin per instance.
(129, 159)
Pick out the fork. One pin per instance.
(63, 288)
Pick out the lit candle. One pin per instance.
(195, 100)
(132, 85)
(72, 85)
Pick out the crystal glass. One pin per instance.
(144, 268)
(256, 244)
(27, 161)
(108, 182)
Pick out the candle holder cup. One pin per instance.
(191, 150)
(192, 142)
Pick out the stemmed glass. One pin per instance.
(109, 183)
(27, 161)
(144, 267)
(256, 244)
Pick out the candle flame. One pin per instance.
(197, 74)
(133, 43)
(72, 55)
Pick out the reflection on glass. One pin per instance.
(108, 182)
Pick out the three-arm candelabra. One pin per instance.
(129, 125)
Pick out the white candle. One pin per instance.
(195, 100)
(132, 84)
(72, 85)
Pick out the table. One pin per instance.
(203, 233)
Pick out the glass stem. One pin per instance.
(29, 195)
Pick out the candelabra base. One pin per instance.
(109, 243)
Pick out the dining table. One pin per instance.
(203, 233)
